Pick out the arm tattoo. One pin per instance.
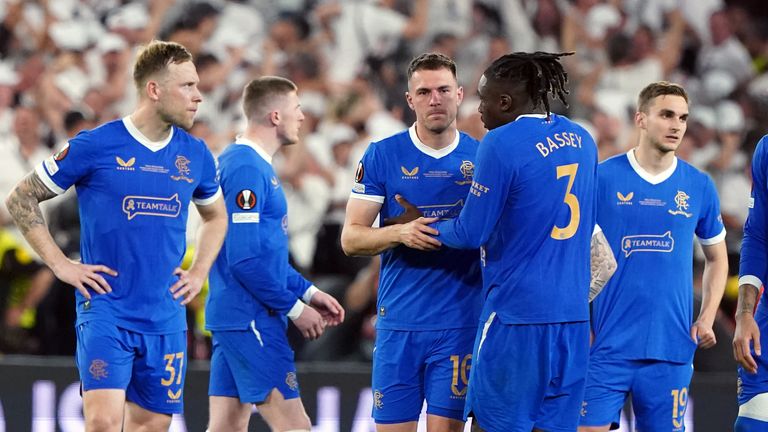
(602, 265)
(747, 300)
(24, 202)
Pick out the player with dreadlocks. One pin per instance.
(531, 210)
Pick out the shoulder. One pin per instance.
(762, 144)
(388, 145)
(614, 161)
(617, 165)
(237, 155)
(106, 131)
(189, 140)
(466, 140)
(575, 125)
(692, 171)
(523, 129)
(393, 140)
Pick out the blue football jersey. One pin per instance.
(134, 196)
(532, 208)
(422, 290)
(646, 309)
(753, 264)
(252, 278)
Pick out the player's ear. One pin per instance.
(152, 89)
(505, 102)
(460, 95)
(409, 99)
(274, 117)
(641, 120)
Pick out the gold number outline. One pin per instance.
(571, 200)
(169, 358)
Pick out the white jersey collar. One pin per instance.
(429, 151)
(255, 146)
(653, 179)
(542, 116)
(153, 146)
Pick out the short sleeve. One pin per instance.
(710, 229)
(208, 191)
(369, 178)
(68, 165)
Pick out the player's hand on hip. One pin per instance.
(411, 212)
(85, 277)
(310, 323)
(703, 335)
(328, 307)
(418, 234)
(188, 285)
(746, 331)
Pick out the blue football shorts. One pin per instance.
(659, 392)
(248, 364)
(412, 366)
(150, 368)
(528, 376)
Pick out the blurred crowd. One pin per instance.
(65, 66)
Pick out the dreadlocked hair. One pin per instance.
(541, 73)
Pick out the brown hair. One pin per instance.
(155, 57)
(656, 89)
(431, 61)
(259, 91)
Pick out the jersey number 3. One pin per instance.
(571, 201)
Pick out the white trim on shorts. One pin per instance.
(756, 408)
(256, 332)
(486, 326)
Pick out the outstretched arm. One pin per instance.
(359, 238)
(24, 206)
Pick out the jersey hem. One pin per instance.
(121, 324)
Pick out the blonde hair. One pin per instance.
(155, 57)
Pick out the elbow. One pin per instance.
(464, 242)
(223, 220)
(10, 203)
(347, 245)
(474, 243)
(353, 244)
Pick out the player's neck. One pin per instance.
(150, 124)
(434, 140)
(269, 144)
(652, 160)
